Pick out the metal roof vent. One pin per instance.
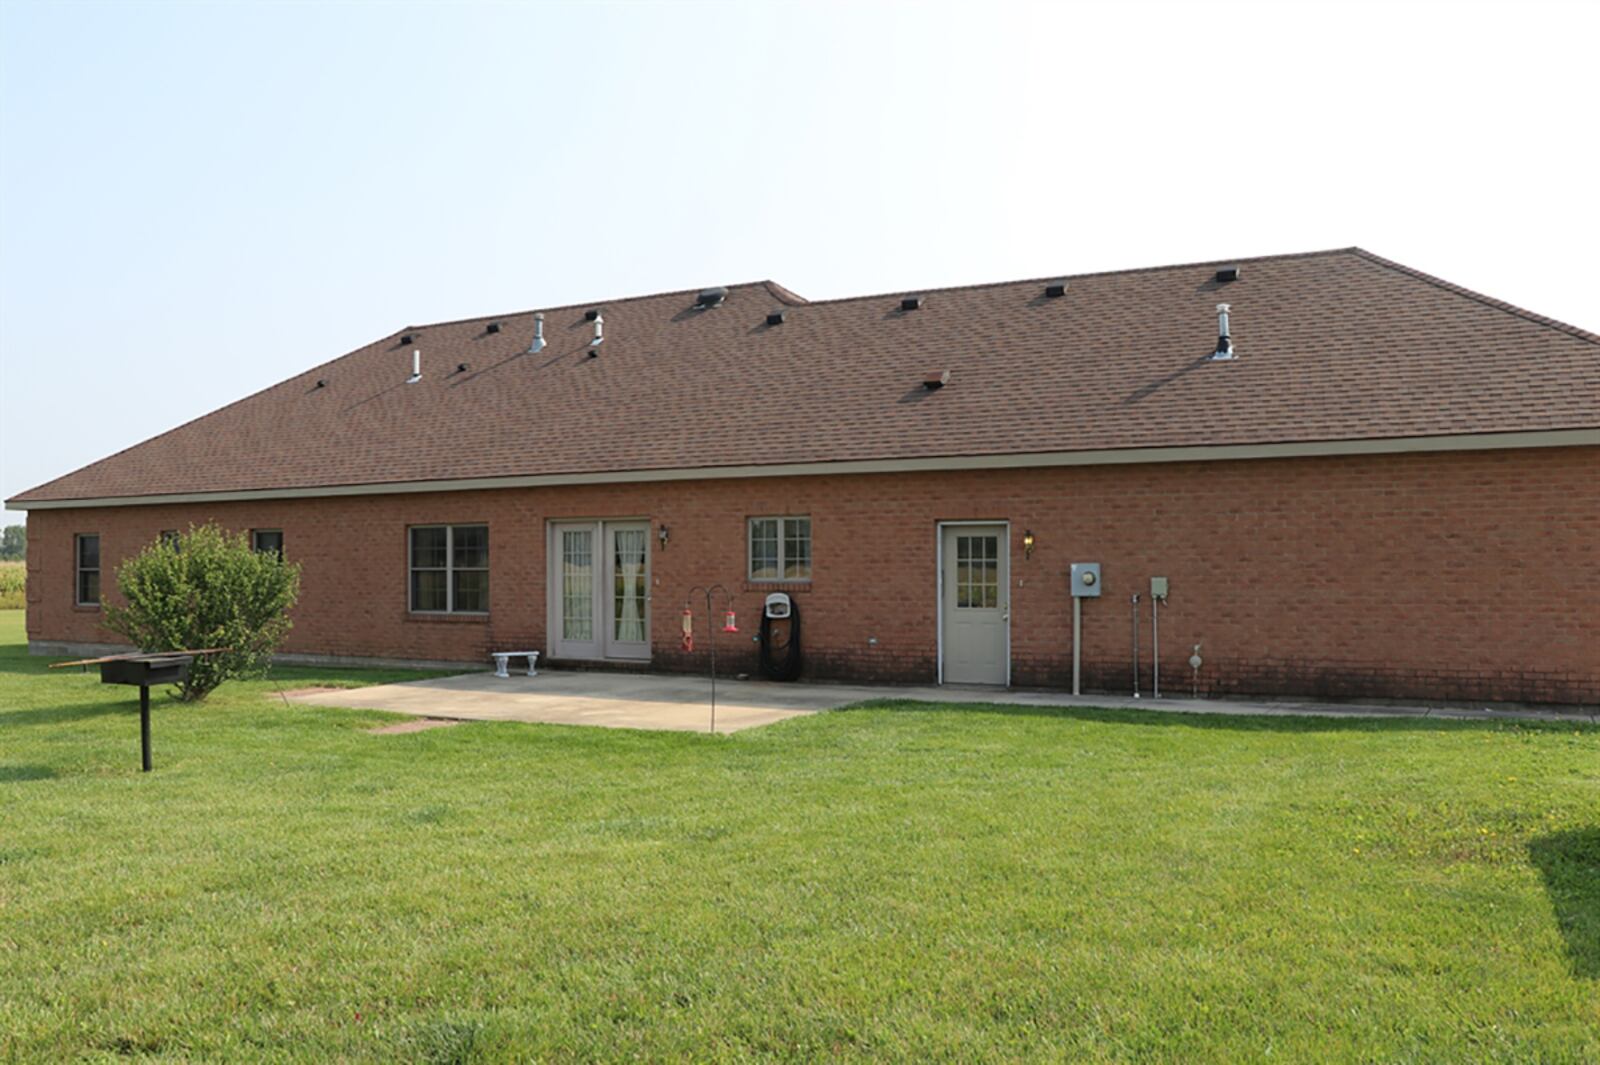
(590, 316)
(322, 382)
(1056, 291)
(492, 327)
(461, 367)
(777, 318)
(599, 330)
(409, 338)
(710, 297)
(1228, 273)
(911, 303)
(1224, 352)
(538, 335)
(416, 367)
(936, 380)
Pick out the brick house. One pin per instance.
(1378, 484)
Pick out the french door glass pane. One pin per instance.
(627, 563)
(577, 584)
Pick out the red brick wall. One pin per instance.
(1472, 575)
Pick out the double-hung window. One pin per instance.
(86, 549)
(780, 549)
(450, 569)
(267, 541)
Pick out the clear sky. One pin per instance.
(199, 200)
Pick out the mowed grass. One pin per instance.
(896, 881)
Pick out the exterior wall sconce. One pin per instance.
(1027, 544)
(663, 536)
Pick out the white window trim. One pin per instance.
(79, 569)
(750, 553)
(449, 568)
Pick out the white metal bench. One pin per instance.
(502, 657)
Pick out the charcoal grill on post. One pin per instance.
(143, 670)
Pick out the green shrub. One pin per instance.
(13, 585)
(208, 589)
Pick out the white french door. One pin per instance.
(599, 589)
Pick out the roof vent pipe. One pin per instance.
(599, 330)
(1224, 339)
(416, 366)
(538, 335)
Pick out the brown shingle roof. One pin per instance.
(1338, 345)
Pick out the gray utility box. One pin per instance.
(1085, 580)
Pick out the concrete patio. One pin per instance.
(676, 702)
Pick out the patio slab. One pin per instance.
(681, 703)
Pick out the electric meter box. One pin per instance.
(779, 606)
(1158, 587)
(1086, 580)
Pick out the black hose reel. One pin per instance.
(780, 661)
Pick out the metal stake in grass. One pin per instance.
(731, 625)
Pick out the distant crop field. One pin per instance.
(13, 576)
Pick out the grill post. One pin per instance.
(144, 724)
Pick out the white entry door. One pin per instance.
(599, 578)
(975, 604)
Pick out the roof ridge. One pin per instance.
(793, 299)
(586, 304)
(1088, 274)
(1488, 301)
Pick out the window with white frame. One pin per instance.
(449, 569)
(268, 541)
(86, 549)
(780, 549)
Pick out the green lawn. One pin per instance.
(897, 881)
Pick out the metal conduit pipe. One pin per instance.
(1136, 645)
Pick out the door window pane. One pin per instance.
(627, 563)
(577, 584)
(977, 572)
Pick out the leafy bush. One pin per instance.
(13, 578)
(207, 589)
